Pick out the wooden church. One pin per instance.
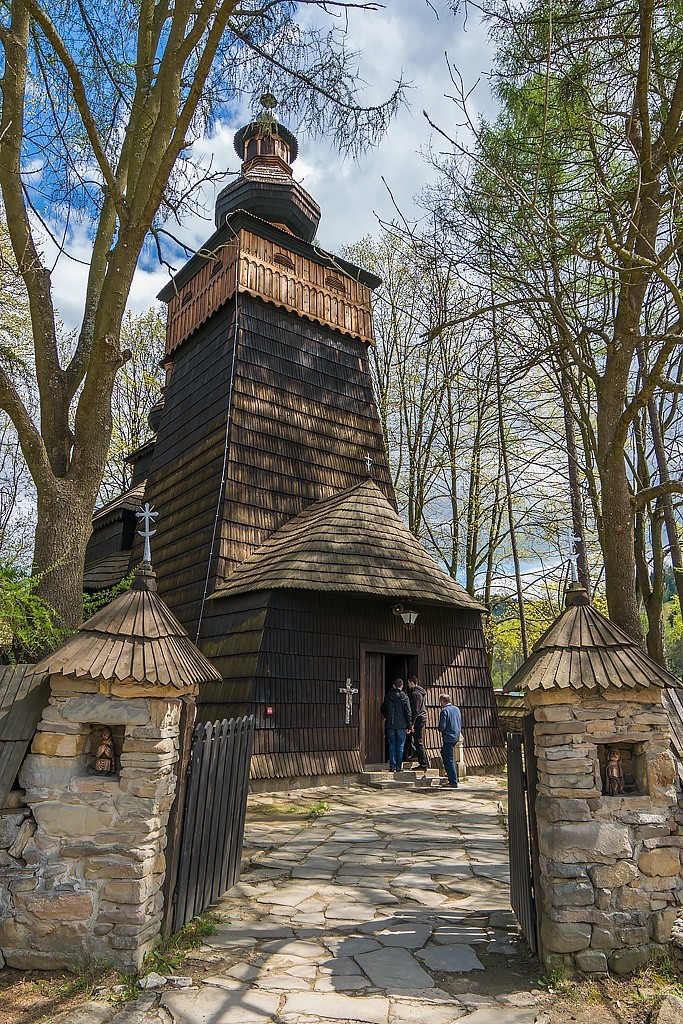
(278, 543)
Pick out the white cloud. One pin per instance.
(407, 37)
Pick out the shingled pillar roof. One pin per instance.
(582, 649)
(135, 639)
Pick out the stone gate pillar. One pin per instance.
(97, 852)
(609, 852)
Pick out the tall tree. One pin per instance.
(136, 389)
(580, 177)
(100, 106)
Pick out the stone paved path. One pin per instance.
(391, 908)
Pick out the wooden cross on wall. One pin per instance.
(348, 692)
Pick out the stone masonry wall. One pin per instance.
(17, 826)
(610, 866)
(92, 861)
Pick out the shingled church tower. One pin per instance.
(279, 546)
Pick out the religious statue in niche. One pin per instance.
(105, 761)
(614, 773)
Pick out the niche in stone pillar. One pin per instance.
(104, 746)
(632, 761)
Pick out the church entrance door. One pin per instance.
(379, 669)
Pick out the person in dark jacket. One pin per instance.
(396, 710)
(450, 727)
(418, 706)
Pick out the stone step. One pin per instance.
(405, 783)
(407, 779)
(381, 771)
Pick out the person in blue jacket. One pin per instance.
(450, 727)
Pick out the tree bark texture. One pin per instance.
(64, 526)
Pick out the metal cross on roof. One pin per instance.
(146, 515)
(348, 692)
(573, 556)
(368, 462)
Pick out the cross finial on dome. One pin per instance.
(146, 515)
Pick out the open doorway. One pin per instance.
(379, 669)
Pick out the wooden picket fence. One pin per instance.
(214, 811)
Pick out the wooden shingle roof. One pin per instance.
(128, 501)
(24, 692)
(107, 571)
(135, 638)
(582, 649)
(351, 542)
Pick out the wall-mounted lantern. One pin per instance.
(407, 614)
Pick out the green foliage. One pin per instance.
(93, 602)
(556, 981)
(661, 974)
(504, 638)
(316, 810)
(29, 627)
(673, 636)
(168, 954)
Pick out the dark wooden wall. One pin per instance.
(303, 419)
(293, 650)
(115, 535)
(185, 478)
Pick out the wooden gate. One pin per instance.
(213, 819)
(521, 854)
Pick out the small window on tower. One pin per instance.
(334, 282)
(216, 268)
(186, 297)
(284, 260)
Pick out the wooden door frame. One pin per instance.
(378, 648)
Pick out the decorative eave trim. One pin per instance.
(241, 219)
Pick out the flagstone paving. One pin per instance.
(391, 908)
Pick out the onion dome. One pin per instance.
(265, 186)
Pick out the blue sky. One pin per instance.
(411, 36)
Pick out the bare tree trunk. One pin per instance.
(666, 499)
(574, 483)
(618, 542)
(473, 512)
(651, 588)
(650, 583)
(59, 553)
(508, 492)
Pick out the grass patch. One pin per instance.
(168, 954)
(318, 808)
(556, 983)
(660, 975)
(35, 997)
(283, 810)
(595, 999)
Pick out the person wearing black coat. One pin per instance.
(398, 719)
(418, 706)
